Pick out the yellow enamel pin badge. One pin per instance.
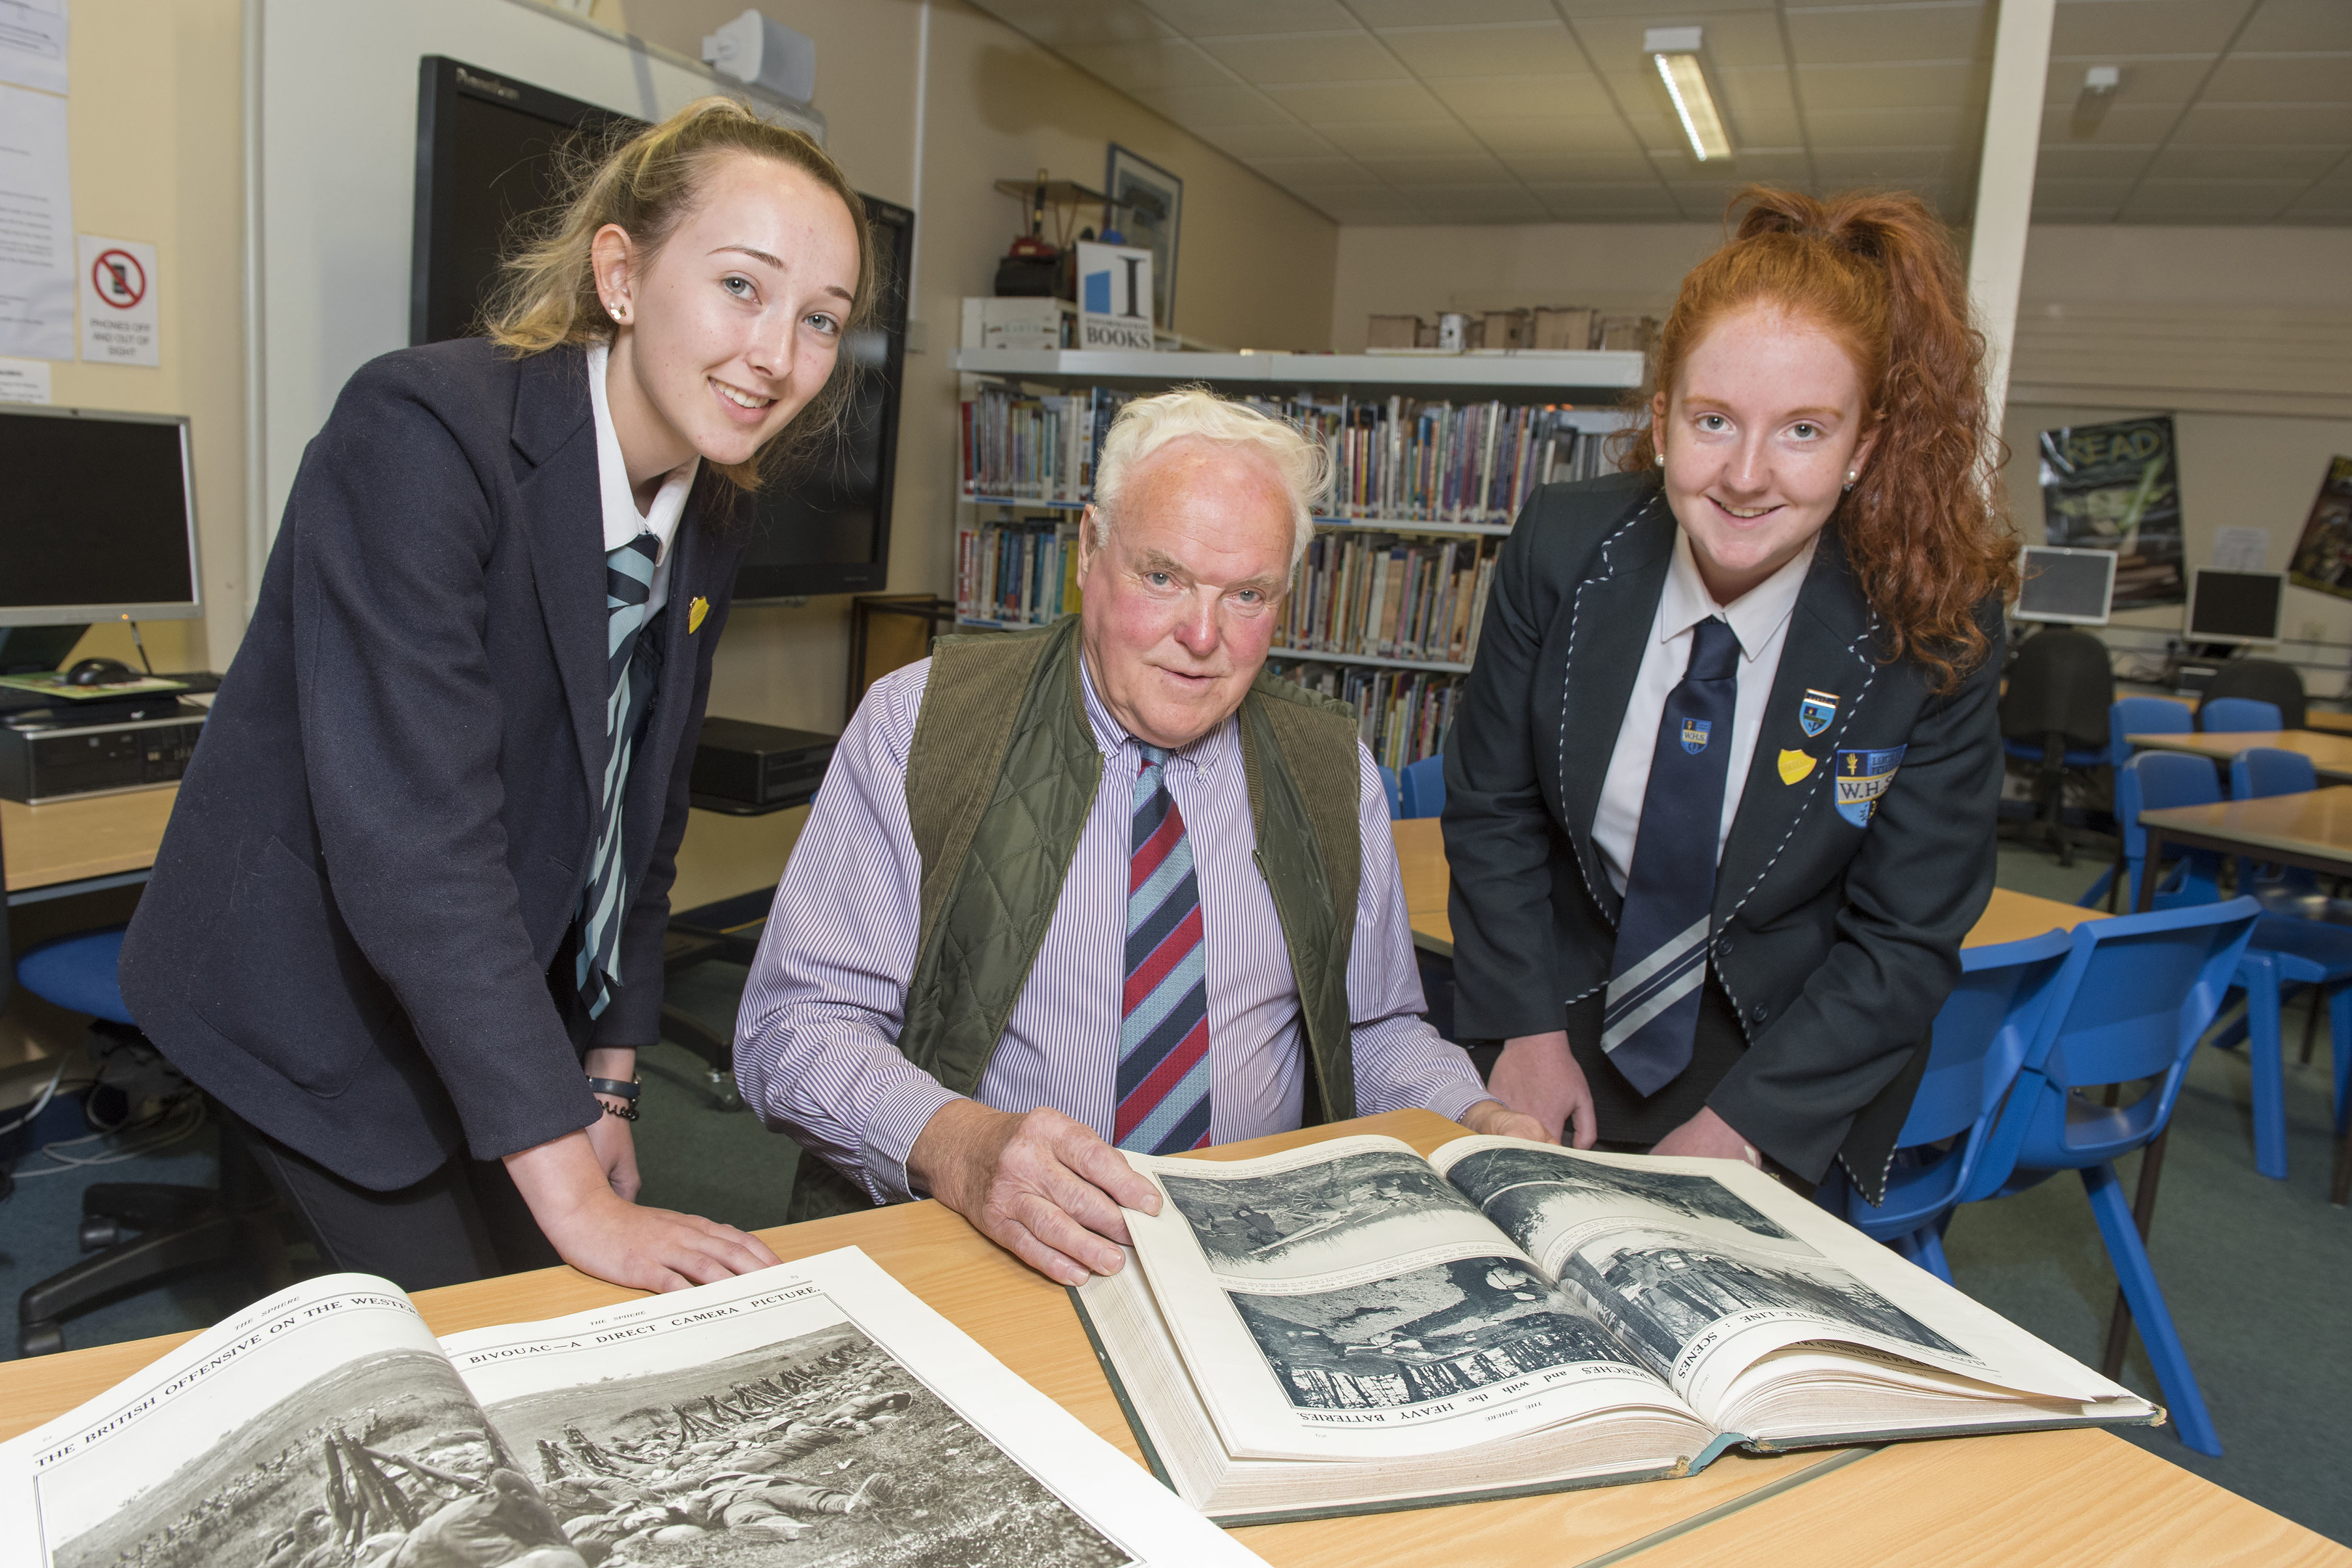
(1796, 766)
(695, 612)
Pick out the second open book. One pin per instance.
(1350, 1326)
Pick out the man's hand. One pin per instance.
(598, 1232)
(1041, 1186)
(612, 1137)
(1538, 1077)
(1709, 1137)
(1496, 1120)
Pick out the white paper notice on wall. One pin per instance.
(117, 302)
(33, 43)
(2241, 549)
(24, 381)
(36, 253)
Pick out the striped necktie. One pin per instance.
(1163, 1033)
(1650, 1018)
(628, 585)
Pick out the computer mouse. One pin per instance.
(100, 672)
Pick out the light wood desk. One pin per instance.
(81, 846)
(1420, 857)
(2330, 755)
(2327, 719)
(1938, 1499)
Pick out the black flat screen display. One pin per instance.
(489, 154)
(94, 518)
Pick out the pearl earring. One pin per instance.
(1849, 477)
(1662, 456)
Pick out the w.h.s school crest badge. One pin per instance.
(1861, 779)
(1695, 733)
(1815, 710)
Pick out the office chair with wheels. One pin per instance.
(2265, 681)
(2237, 716)
(2054, 715)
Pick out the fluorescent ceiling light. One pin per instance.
(1674, 51)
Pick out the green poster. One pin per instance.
(2117, 487)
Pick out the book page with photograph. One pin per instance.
(322, 1426)
(1738, 1291)
(1342, 1301)
(814, 1412)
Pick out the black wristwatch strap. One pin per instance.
(618, 1087)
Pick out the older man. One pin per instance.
(1101, 881)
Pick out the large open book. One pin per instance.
(814, 1412)
(1349, 1327)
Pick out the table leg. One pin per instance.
(2148, 869)
(2151, 1172)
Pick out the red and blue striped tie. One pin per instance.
(1163, 1033)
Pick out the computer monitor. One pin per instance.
(2072, 586)
(2233, 607)
(98, 518)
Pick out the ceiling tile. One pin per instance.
(1878, 165)
(1893, 127)
(1788, 167)
(2144, 26)
(2071, 163)
(1592, 135)
(1174, 62)
(2080, 192)
(1516, 48)
(1542, 168)
(2181, 162)
(1563, 97)
(1576, 11)
(2125, 124)
(1948, 84)
(2299, 24)
(2275, 125)
(1387, 139)
(1059, 23)
(2280, 79)
(1310, 56)
(1948, 30)
(1196, 108)
(1218, 18)
(1746, 41)
(2042, 213)
(2218, 201)
(1760, 107)
(1315, 102)
(1489, 203)
(1407, 172)
(1581, 202)
(2144, 80)
(1251, 143)
(1324, 171)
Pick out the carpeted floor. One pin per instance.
(2258, 1272)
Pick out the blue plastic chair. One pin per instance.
(1425, 787)
(2237, 715)
(1389, 782)
(78, 973)
(2260, 771)
(2134, 995)
(1979, 1038)
(2132, 716)
(2157, 781)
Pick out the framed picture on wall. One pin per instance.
(1148, 208)
(2322, 556)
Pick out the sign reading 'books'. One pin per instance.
(1114, 297)
(2117, 487)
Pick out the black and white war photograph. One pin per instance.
(1661, 1288)
(816, 1449)
(1322, 1219)
(1426, 1334)
(1541, 1197)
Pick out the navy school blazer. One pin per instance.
(383, 835)
(1837, 928)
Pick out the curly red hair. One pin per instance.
(1923, 526)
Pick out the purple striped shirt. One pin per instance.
(815, 1043)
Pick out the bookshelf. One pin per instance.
(1433, 456)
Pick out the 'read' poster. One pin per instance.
(2322, 556)
(2117, 487)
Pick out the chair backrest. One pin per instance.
(2266, 678)
(2143, 716)
(2061, 683)
(1423, 788)
(2238, 715)
(2267, 770)
(1981, 1033)
(2145, 988)
(1395, 791)
(2157, 781)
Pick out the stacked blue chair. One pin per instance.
(2132, 716)
(1425, 787)
(2237, 716)
(1396, 795)
(2157, 781)
(2132, 999)
(1980, 1039)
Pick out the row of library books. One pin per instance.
(1019, 573)
(1397, 459)
(1376, 596)
(1402, 715)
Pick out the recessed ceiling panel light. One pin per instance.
(1674, 51)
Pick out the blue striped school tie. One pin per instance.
(1163, 1032)
(628, 585)
(1649, 1017)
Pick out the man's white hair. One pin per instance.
(1148, 424)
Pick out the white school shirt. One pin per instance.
(1759, 619)
(622, 521)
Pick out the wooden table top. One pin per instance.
(1420, 857)
(2319, 822)
(2327, 719)
(68, 840)
(2331, 754)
